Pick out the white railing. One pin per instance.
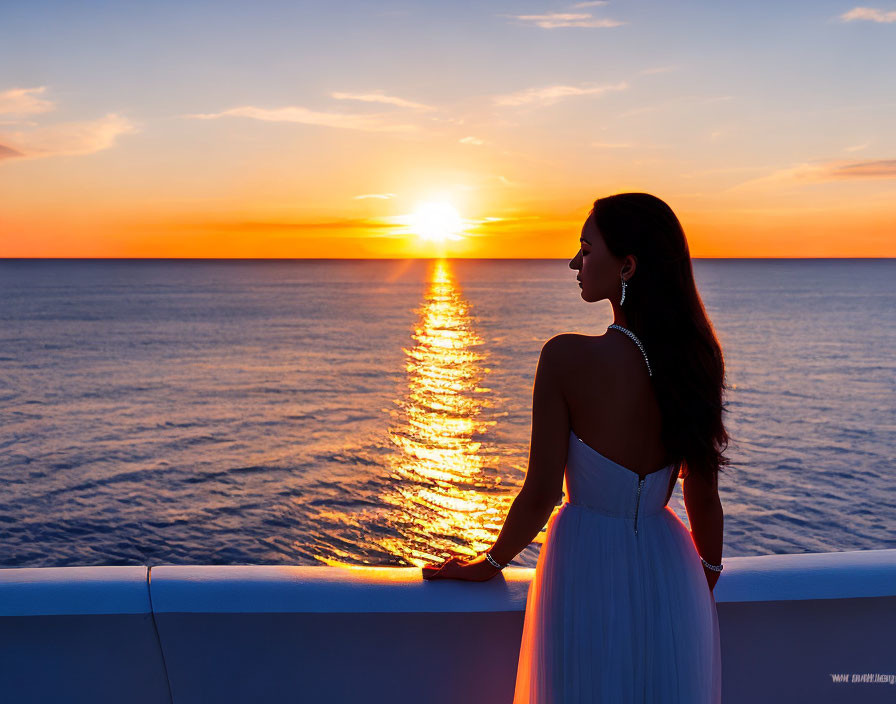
(805, 627)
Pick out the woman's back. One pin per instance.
(612, 405)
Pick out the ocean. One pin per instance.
(378, 412)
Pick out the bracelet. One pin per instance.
(494, 562)
(714, 568)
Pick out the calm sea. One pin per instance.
(378, 412)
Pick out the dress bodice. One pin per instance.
(600, 484)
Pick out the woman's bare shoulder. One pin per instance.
(570, 349)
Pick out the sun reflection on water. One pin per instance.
(443, 494)
(438, 468)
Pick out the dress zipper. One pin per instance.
(638, 502)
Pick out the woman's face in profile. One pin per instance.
(598, 268)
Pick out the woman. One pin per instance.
(621, 607)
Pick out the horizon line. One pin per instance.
(335, 259)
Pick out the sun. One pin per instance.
(436, 222)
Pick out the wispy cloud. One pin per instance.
(857, 147)
(9, 152)
(379, 97)
(486, 226)
(593, 3)
(553, 20)
(612, 145)
(365, 123)
(24, 101)
(552, 94)
(870, 14)
(824, 171)
(471, 140)
(67, 138)
(880, 168)
(382, 196)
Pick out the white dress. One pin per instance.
(619, 609)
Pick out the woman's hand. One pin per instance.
(476, 570)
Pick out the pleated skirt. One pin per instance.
(616, 617)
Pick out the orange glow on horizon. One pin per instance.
(715, 234)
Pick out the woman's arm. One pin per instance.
(548, 448)
(704, 508)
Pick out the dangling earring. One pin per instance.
(622, 300)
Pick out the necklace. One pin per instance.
(636, 341)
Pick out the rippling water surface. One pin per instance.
(378, 412)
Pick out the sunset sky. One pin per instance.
(299, 129)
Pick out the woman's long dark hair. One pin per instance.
(665, 311)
